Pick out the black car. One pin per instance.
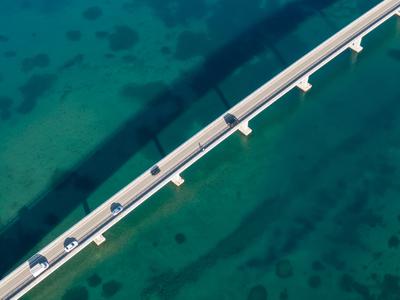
(155, 170)
(231, 120)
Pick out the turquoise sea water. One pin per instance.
(93, 93)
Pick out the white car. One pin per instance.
(71, 246)
(39, 268)
(116, 210)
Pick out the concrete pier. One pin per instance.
(304, 85)
(100, 239)
(177, 180)
(356, 45)
(244, 128)
(398, 13)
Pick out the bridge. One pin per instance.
(91, 228)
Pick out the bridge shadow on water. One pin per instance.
(73, 187)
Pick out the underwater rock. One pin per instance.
(393, 242)
(284, 295)
(5, 107)
(35, 87)
(76, 60)
(318, 266)
(258, 292)
(110, 288)
(92, 13)
(283, 268)
(9, 53)
(314, 281)
(73, 35)
(123, 38)
(180, 238)
(40, 60)
(390, 288)
(394, 53)
(349, 285)
(3, 38)
(94, 280)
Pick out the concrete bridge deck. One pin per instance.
(91, 228)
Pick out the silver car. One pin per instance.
(116, 209)
(39, 268)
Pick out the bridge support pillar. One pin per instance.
(398, 13)
(356, 45)
(304, 85)
(100, 239)
(177, 180)
(244, 128)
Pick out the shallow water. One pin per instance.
(305, 208)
